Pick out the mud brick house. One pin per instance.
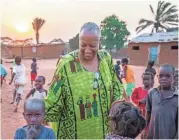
(41, 51)
(160, 47)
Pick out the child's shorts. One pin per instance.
(33, 76)
(129, 88)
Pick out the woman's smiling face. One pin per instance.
(88, 45)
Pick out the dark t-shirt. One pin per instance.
(34, 67)
(163, 123)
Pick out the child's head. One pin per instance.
(39, 82)
(150, 63)
(34, 111)
(175, 78)
(148, 79)
(125, 61)
(166, 75)
(118, 62)
(126, 120)
(34, 59)
(18, 60)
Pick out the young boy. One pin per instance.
(3, 73)
(128, 75)
(33, 70)
(19, 81)
(162, 107)
(139, 94)
(38, 91)
(34, 111)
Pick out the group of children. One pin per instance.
(34, 106)
(159, 105)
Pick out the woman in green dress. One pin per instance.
(83, 88)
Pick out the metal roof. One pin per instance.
(156, 37)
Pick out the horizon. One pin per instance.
(64, 18)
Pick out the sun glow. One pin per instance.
(22, 27)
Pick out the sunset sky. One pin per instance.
(65, 17)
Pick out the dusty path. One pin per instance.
(10, 121)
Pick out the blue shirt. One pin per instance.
(46, 133)
(3, 71)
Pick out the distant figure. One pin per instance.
(3, 73)
(33, 70)
(126, 121)
(19, 81)
(162, 107)
(38, 91)
(128, 75)
(150, 68)
(175, 83)
(34, 112)
(118, 68)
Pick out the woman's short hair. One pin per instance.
(90, 27)
(129, 120)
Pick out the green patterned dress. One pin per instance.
(75, 109)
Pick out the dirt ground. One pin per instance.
(10, 121)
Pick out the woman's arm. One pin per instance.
(55, 96)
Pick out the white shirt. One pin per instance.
(19, 71)
(39, 95)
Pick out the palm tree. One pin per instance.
(37, 24)
(166, 15)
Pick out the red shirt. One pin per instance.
(139, 94)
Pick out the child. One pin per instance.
(3, 73)
(150, 68)
(128, 75)
(139, 94)
(19, 81)
(162, 107)
(126, 121)
(175, 83)
(34, 111)
(38, 91)
(33, 70)
(118, 68)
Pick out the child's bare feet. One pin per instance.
(15, 110)
(12, 103)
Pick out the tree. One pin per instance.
(74, 42)
(114, 33)
(166, 15)
(37, 24)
